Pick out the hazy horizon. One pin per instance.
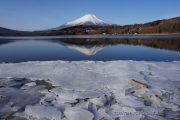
(45, 14)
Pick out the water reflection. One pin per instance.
(89, 49)
(162, 43)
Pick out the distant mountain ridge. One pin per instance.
(91, 25)
(6, 32)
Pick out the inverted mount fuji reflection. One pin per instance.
(88, 50)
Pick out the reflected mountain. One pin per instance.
(86, 49)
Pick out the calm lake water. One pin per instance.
(141, 48)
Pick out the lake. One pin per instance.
(96, 48)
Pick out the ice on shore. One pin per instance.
(90, 90)
(43, 112)
(76, 113)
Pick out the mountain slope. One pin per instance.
(10, 32)
(4, 31)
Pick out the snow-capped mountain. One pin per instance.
(88, 19)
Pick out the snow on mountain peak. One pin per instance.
(88, 19)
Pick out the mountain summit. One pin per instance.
(86, 20)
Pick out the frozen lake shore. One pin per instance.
(88, 90)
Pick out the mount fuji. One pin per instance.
(86, 20)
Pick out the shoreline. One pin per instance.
(164, 34)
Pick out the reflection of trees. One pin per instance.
(4, 41)
(162, 43)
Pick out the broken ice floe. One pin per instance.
(90, 90)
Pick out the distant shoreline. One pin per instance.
(163, 34)
(157, 34)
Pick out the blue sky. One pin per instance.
(44, 14)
